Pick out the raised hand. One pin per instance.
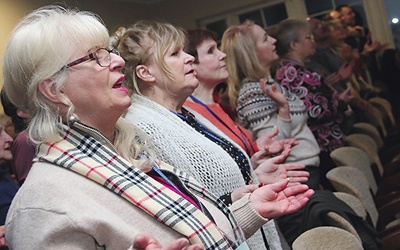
(147, 242)
(346, 70)
(272, 91)
(346, 95)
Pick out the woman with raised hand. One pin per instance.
(95, 181)
(161, 77)
(262, 104)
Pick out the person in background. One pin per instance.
(263, 107)
(210, 67)
(161, 77)
(8, 187)
(325, 106)
(22, 148)
(95, 181)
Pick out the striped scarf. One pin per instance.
(86, 153)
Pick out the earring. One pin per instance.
(72, 119)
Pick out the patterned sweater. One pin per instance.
(258, 113)
(322, 102)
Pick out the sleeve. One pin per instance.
(258, 113)
(23, 152)
(247, 217)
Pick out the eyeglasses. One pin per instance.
(101, 55)
(310, 37)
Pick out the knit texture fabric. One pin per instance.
(181, 146)
(258, 113)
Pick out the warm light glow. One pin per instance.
(395, 20)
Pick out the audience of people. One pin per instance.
(161, 77)
(122, 141)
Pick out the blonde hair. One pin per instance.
(145, 41)
(39, 47)
(239, 45)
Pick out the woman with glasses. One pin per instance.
(95, 182)
(161, 77)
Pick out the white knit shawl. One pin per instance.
(181, 146)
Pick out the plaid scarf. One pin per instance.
(86, 151)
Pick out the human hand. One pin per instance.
(147, 242)
(273, 92)
(278, 199)
(274, 170)
(268, 146)
(346, 69)
(332, 79)
(2, 236)
(370, 47)
(346, 95)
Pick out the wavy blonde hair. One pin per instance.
(239, 45)
(145, 41)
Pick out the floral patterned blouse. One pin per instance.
(325, 109)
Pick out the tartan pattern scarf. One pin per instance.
(86, 153)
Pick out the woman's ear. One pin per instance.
(48, 90)
(293, 45)
(143, 73)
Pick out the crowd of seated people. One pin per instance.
(121, 143)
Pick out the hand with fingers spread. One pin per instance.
(147, 242)
(278, 199)
(273, 170)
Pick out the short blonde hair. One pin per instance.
(239, 45)
(145, 41)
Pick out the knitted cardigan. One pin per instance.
(181, 146)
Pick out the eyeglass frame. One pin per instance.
(91, 56)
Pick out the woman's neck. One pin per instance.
(204, 93)
(173, 103)
(295, 57)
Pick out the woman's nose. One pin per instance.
(116, 61)
(189, 58)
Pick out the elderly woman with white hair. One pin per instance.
(95, 182)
